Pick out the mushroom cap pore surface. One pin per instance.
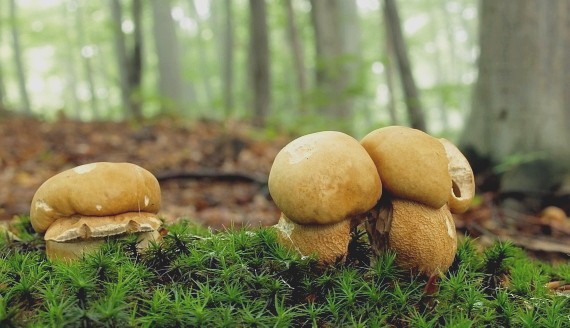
(323, 178)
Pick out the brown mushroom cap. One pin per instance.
(412, 164)
(95, 190)
(329, 242)
(423, 238)
(463, 182)
(324, 178)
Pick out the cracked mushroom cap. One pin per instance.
(412, 164)
(324, 178)
(78, 208)
(463, 182)
(423, 238)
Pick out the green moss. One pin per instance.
(245, 278)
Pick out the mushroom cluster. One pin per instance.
(78, 208)
(404, 183)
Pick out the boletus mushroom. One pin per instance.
(423, 179)
(322, 182)
(78, 208)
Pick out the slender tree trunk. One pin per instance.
(122, 58)
(170, 82)
(411, 93)
(259, 61)
(86, 56)
(136, 62)
(2, 88)
(228, 58)
(18, 59)
(388, 72)
(330, 81)
(202, 56)
(69, 63)
(296, 53)
(351, 47)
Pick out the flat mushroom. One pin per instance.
(78, 208)
(319, 181)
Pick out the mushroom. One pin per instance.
(412, 164)
(78, 208)
(424, 180)
(462, 180)
(323, 183)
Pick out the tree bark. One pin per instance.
(86, 59)
(296, 53)
(18, 60)
(123, 64)
(170, 82)
(2, 88)
(259, 61)
(521, 103)
(411, 93)
(330, 82)
(69, 63)
(202, 56)
(388, 72)
(228, 58)
(136, 61)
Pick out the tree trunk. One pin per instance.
(330, 82)
(296, 53)
(411, 93)
(123, 64)
(521, 104)
(170, 82)
(259, 61)
(86, 55)
(351, 46)
(69, 62)
(136, 62)
(388, 70)
(2, 88)
(228, 58)
(202, 56)
(18, 59)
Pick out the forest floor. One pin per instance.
(212, 173)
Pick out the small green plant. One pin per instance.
(238, 278)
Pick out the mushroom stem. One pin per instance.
(328, 242)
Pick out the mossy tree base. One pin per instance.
(246, 278)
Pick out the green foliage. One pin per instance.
(245, 278)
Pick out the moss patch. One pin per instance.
(245, 278)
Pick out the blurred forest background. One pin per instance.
(296, 64)
(203, 91)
